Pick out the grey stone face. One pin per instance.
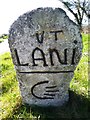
(46, 47)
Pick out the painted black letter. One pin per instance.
(42, 54)
(42, 37)
(55, 51)
(55, 33)
(18, 60)
(73, 56)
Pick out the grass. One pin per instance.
(1, 40)
(79, 84)
(14, 109)
(3, 37)
(8, 86)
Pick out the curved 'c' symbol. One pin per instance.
(43, 97)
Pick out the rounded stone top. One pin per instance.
(47, 36)
(41, 18)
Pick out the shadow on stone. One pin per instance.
(76, 108)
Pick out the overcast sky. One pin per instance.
(10, 10)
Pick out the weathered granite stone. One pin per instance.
(46, 47)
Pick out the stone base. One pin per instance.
(45, 89)
(48, 103)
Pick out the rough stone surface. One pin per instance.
(46, 47)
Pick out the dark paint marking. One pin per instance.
(73, 56)
(51, 87)
(42, 54)
(18, 61)
(38, 38)
(39, 83)
(55, 33)
(49, 94)
(59, 59)
(75, 41)
(45, 72)
(52, 90)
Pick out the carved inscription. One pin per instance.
(39, 55)
(42, 57)
(18, 60)
(56, 33)
(73, 56)
(40, 39)
(50, 91)
(51, 52)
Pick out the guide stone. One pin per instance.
(46, 47)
